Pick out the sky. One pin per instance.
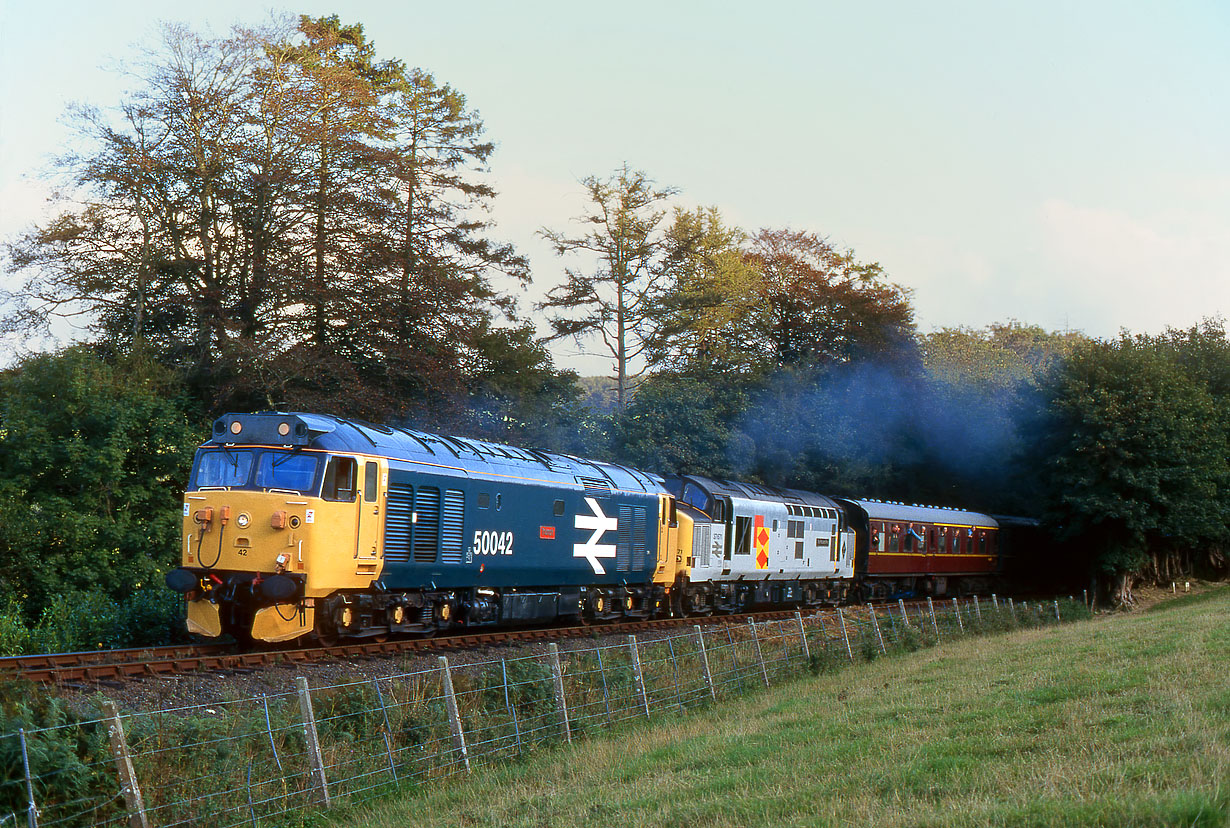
(1061, 164)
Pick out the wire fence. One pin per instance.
(266, 758)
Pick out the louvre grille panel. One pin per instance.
(454, 525)
(638, 534)
(623, 551)
(427, 526)
(398, 518)
(702, 543)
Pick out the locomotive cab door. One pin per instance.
(368, 520)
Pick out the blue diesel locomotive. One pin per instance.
(304, 524)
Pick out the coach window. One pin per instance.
(982, 543)
(909, 540)
(894, 542)
(340, 479)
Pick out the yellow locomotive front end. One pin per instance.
(271, 528)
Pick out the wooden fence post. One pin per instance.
(638, 675)
(875, 622)
(313, 739)
(704, 661)
(845, 635)
(1012, 609)
(904, 617)
(1056, 602)
(977, 609)
(123, 762)
(935, 626)
(798, 616)
(957, 609)
(561, 704)
(454, 715)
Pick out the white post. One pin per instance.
(561, 704)
(798, 616)
(935, 626)
(841, 615)
(638, 675)
(957, 608)
(704, 661)
(454, 715)
(875, 622)
(759, 653)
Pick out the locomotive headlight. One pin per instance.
(283, 429)
(236, 427)
(243, 520)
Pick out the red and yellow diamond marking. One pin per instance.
(760, 537)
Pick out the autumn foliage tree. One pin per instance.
(286, 219)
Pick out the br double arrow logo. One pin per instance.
(591, 550)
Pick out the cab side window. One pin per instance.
(371, 479)
(340, 479)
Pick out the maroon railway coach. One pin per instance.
(905, 550)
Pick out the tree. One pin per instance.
(1137, 457)
(286, 220)
(680, 424)
(613, 299)
(148, 257)
(93, 460)
(517, 396)
(825, 306)
(709, 308)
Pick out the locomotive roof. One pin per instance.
(329, 433)
(755, 491)
(880, 510)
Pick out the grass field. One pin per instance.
(1121, 721)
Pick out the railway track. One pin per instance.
(116, 666)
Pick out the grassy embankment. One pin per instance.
(1115, 722)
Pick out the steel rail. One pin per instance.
(143, 662)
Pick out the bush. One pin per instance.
(14, 634)
(151, 616)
